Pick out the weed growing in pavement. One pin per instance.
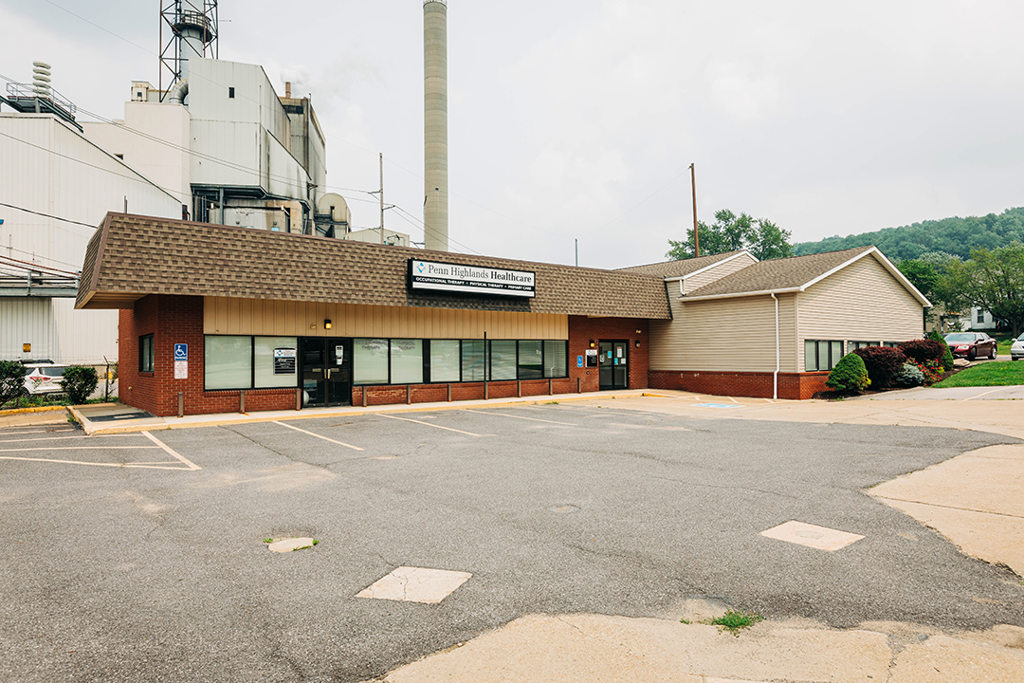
(315, 541)
(733, 621)
(268, 540)
(685, 621)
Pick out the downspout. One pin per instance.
(778, 350)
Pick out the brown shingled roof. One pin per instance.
(679, 267)
(132, 256)
(778, 274)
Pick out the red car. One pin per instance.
(971, 345)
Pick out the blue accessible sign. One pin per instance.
(579, 361)
(181, 352)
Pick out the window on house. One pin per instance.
(227, 362)
(891, 345)
(146, 353)
(370, 361)
(406, 361)
(503, 359)
(854, 345)
(231, 92)
(444, 360)
(821, 354)
(556, 358)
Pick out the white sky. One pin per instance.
(579, 118)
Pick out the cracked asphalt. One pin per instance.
(118, 573)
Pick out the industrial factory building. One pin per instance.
(220, 319)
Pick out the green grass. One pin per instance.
(987, 375)
(733, 621)
(1004, 345)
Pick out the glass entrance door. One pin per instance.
(326, 371)
(613, 369)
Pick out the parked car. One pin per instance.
(44, 378)
(972, 345)
(1017, 350)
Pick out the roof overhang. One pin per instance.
(744, 252)
(873, 251)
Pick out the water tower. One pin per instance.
(191, 32)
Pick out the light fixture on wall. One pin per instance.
(328, 324)
(636, 343)
(639, 331)
(593, 343)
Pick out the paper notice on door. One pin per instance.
(339, 353)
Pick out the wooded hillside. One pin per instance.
(951, 235)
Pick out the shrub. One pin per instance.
(947, 355)
(849, 374)
(79, 382)
(924, 350)
(932, 371)
(909, 376)
(12, 380)
(883, 364)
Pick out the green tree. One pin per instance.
(994, 280)
(730, 232)
(921, 274)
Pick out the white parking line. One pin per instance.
(37, 431)
(77, 448)
(54, 438)
(148, 465)
(520, 417)
(340, 443)
(171, 452)
(421, 422)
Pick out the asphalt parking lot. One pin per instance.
(142, 556)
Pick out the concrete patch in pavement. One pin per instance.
(416, 584)
(812, 536)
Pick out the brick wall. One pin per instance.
(792, 385)
(172, 320)
(582, 330)
(179, 319)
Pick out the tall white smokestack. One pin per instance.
(435, 123)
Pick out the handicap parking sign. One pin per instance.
(181, 352)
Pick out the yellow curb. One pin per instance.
(23, 411)
(369, 410)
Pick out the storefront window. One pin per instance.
(228, 362)
(531, 359)
(444, 360)
(370, 361)
(473, 357)
(555, 359)
(503, 359)
(406, 361)
(275, 359)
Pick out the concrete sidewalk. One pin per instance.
(117, 418)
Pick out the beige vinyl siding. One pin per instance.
(223, 315)
(717, 272)
(862, 302)
(724, 334)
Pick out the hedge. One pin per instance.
(883, 364)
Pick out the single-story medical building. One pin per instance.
(219, 318)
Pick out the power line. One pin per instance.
(38, 266)
(47, 215)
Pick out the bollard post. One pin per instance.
(408, 394)
(449, 392)
(181, 404)
(579, 386)
(298, 398)
(519, 388)
(364, 395)
(241, 402)
(549, 386)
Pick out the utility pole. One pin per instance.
(693, 189)
(382, 198)
(577, 241)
